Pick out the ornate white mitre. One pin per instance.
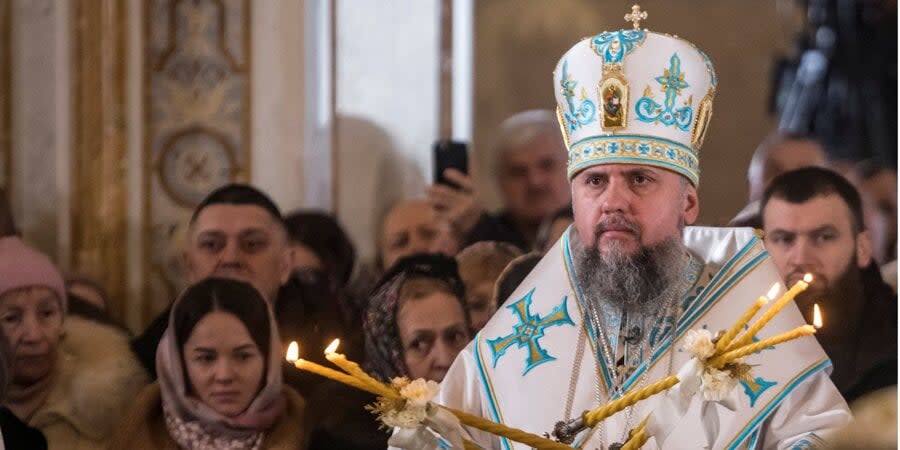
(635, 96)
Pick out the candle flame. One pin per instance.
(293, 352)
(817, 316)
(808, 278)
(333, 346)
(773, 291)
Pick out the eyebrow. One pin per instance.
(819, 229)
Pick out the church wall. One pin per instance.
(386, 114)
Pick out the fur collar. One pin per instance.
(98, 378)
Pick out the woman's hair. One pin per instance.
(225, 295)
(514, 275)
(321, 233)
(485, 261)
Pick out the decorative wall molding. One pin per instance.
(5, 95)
(99, 145)
(197, 133)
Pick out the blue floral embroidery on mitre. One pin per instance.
(575, 117)
(672, 82)
(612, 46)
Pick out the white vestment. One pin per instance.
(518, 369)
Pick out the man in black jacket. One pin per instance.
(813, 222)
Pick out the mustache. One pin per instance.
(616, 222)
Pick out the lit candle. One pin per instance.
(741, 352)
(747, 337)
(596, 416)
(817, 316)
(293, 352)
(335, 375)
(732, 332)
(376, 387)
(354, 370)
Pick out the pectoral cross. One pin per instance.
(636, 16)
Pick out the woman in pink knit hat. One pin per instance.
(72, 378)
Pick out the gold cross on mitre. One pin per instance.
(636, 16)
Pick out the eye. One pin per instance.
(826, 237)
(210, 244)
(429, 233)
(245, 356)
(420, 345)
(457, 337)
(11, 318)
(205, 358)
(399, 243)
(640, 179)
(254, 245)
(594, 180)
(47, 313)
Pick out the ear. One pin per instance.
(863, 249)
(188, 265)
(691, 204)
(287, 260)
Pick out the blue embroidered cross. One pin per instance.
(756, 388)
(672, 82)
(529, 330)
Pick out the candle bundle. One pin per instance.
(356, 377)
(596, 416)
(638, 437)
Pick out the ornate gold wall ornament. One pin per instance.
(701, 122)
(197, 78)
(5, 96)
(99, 189)
(612, 96)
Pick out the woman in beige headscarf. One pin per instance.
(219, 386)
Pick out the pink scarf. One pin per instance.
(193, 425)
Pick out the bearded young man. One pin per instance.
(813, 219)
(599, 314)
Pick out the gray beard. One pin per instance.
(647, 282)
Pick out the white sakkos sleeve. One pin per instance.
(807, 417)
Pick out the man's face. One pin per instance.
(242, 242)
(414, 227)
(814, 237)
(626, 207)
(533, 178)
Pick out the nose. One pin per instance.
(31, 329)
(536, 177)
(802, 253)
(223, 372)
(444, 354)
(231, 254)
(616, 197)
(420, 243)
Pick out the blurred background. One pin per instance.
(118, 116)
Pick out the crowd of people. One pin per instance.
(209, 372)
(212, 363)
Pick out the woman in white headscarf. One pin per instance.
(220, 382)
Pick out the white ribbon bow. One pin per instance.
(675, 402)
(439, 422)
